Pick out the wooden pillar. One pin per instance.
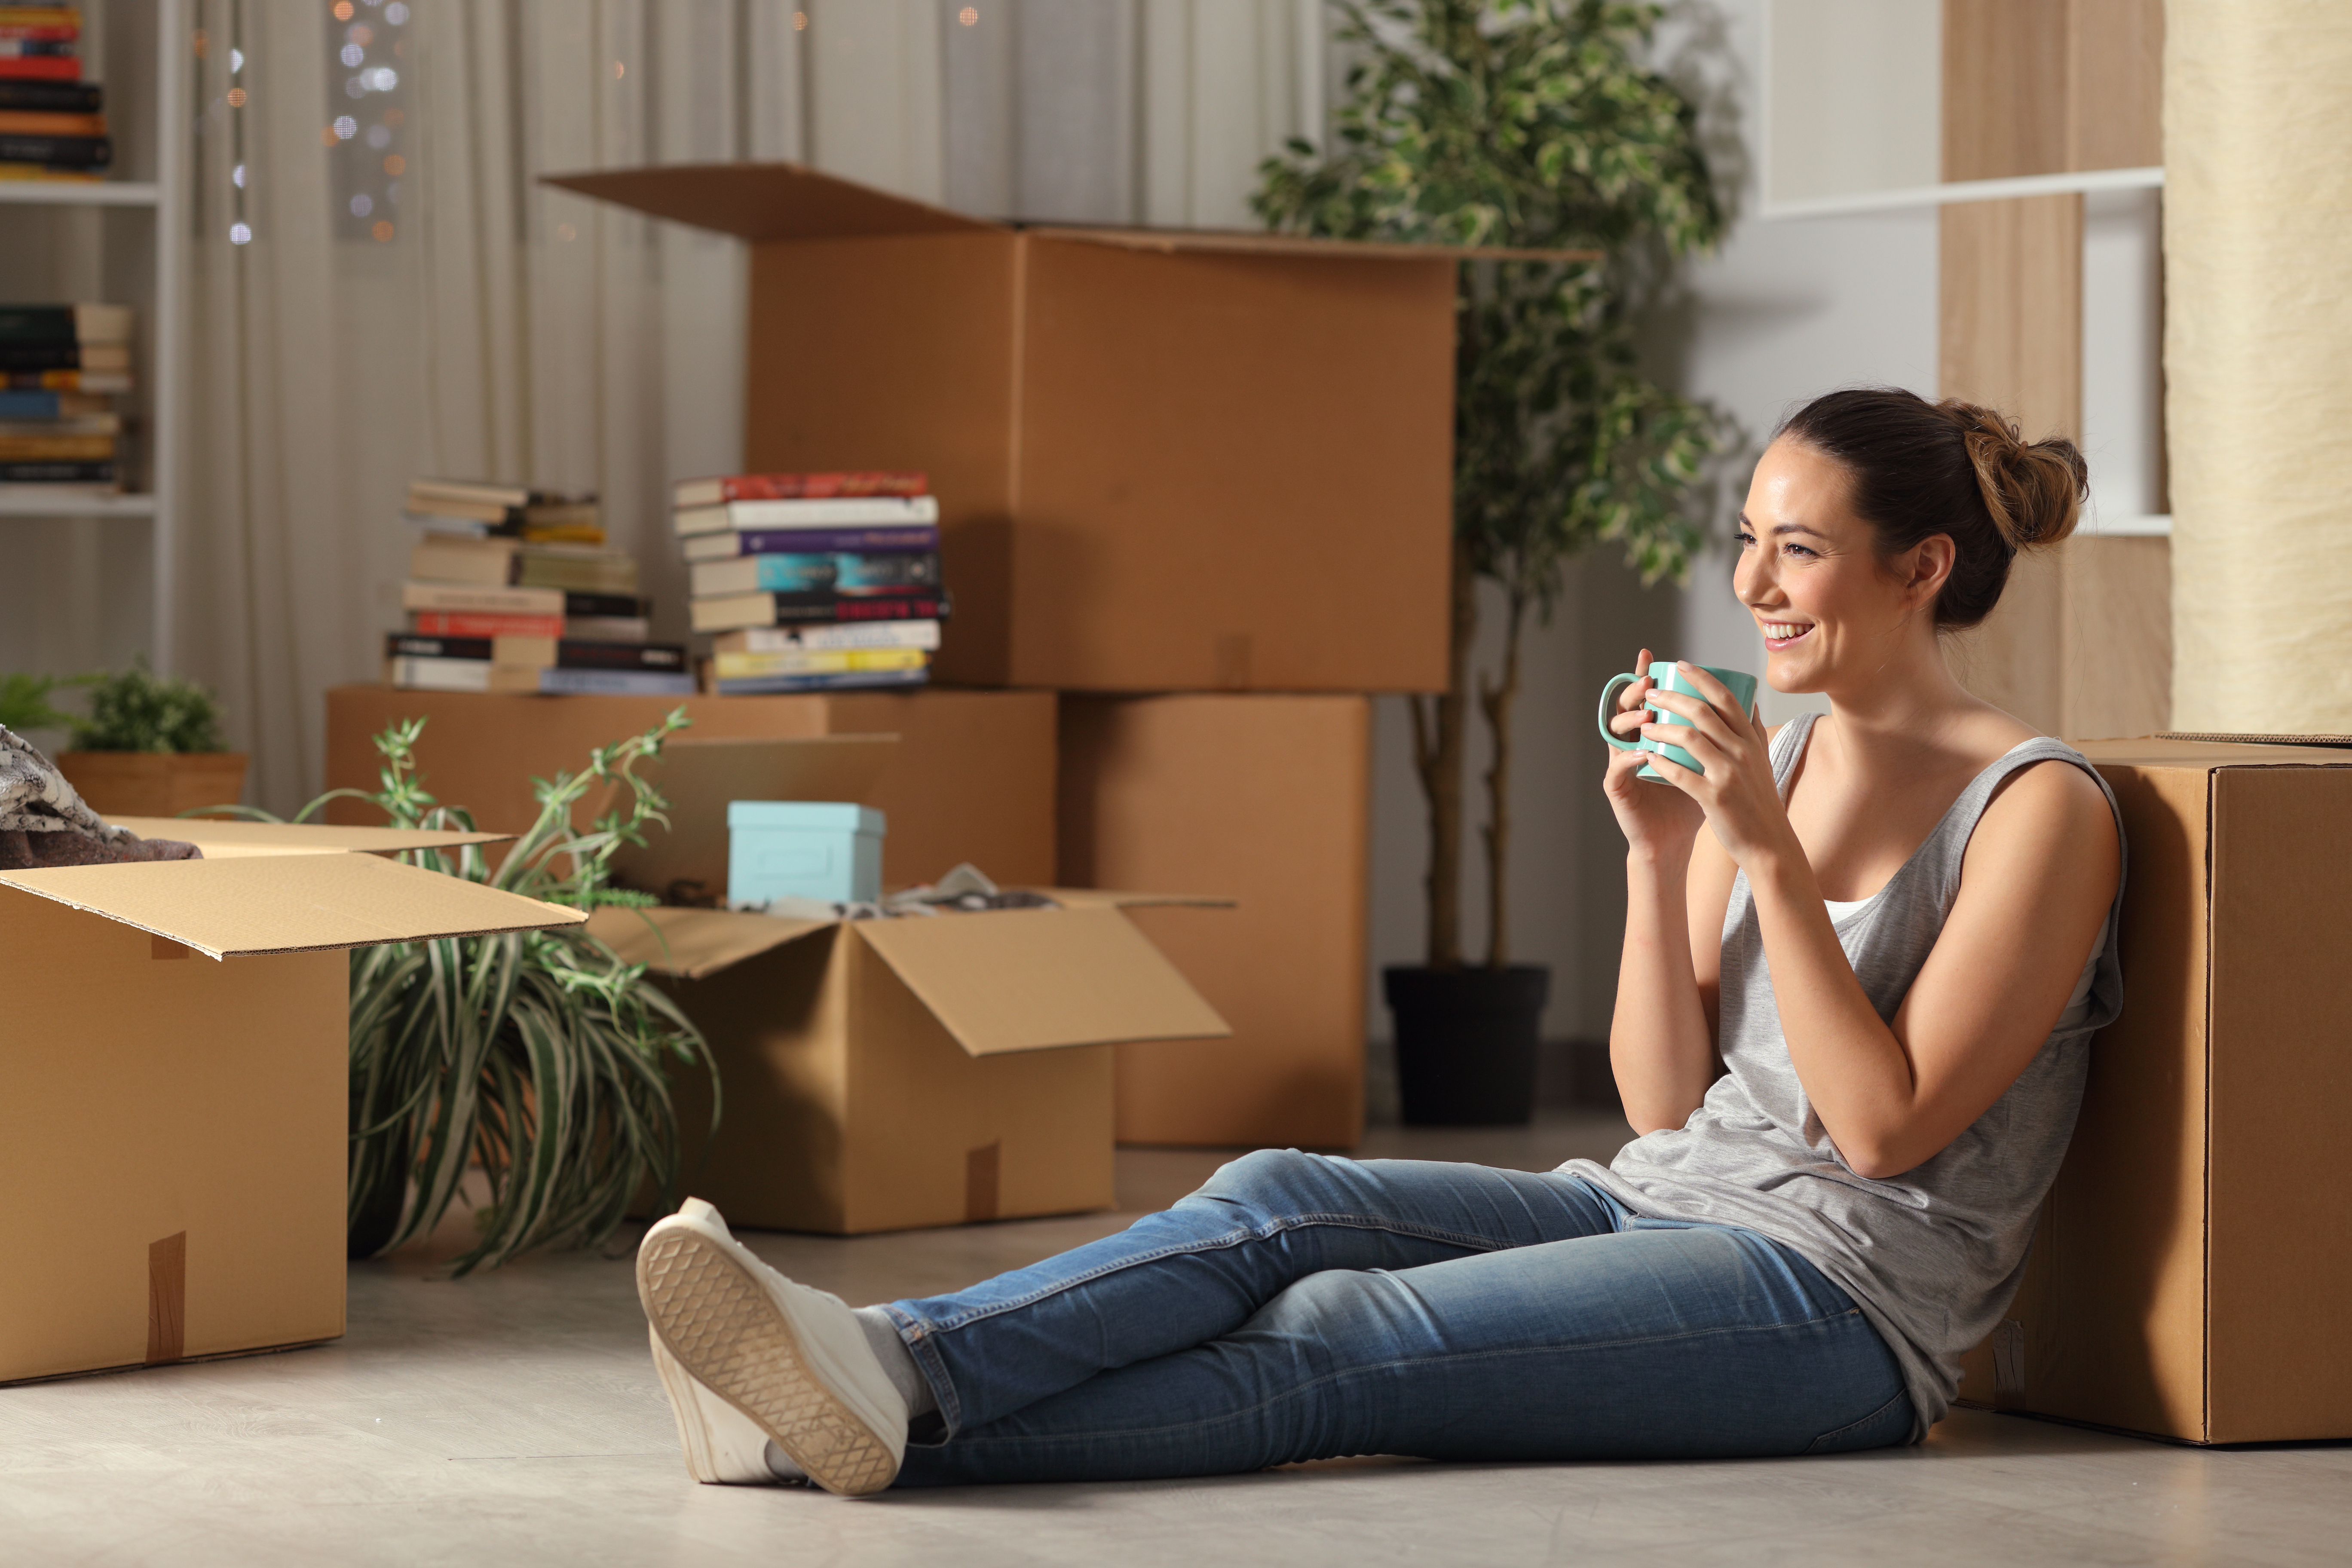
(2078, 647)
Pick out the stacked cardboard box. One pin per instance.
(1201, 484)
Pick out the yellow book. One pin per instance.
(816, 661)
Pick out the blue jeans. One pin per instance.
(1299, 1307)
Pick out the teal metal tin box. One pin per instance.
(822, 849)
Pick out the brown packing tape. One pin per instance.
(167, 1298)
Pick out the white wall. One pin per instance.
(1786, 310)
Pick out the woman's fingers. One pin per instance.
(1702, 715)
(1627, 722)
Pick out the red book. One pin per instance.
(799, 486)
(461, 623)
(40, 68)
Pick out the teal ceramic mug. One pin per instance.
(1667, 678)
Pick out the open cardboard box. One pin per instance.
(884, 1074)
(2191, 1275)
(1166, 460)
(173, 1112)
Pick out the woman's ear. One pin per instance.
(1930, 568)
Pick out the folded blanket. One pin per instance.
(44, 823)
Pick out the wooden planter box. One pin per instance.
(153, 784)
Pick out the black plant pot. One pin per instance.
(1465, 1043)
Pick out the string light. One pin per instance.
(236, 98)
(239, 234)
(969, 16)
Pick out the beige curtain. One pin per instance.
(474, 322)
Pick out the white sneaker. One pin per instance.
(787, 1361)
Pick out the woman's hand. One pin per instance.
(1736, 792)
(1658, 824)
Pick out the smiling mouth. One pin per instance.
(1779, 635)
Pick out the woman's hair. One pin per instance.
(1921, 469)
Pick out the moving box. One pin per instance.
(173, 1127)
(1265, 800)
(1166, 460)
(2192, 1275)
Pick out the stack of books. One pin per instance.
(59, 365)
(510, 589)
(52, 123)
(813, 581)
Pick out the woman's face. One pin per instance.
(1810, 574)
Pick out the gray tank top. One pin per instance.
(1932, 1256)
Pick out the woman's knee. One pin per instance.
(1270, 1181)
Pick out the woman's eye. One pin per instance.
(1798, 549)
(1747, 540)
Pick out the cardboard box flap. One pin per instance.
(767, 201)
(699, 778)
(792, 201)
(1026, 980)
(1247, 242)
(2172, 751)
(221, 840)
(289, 903)
(1110, 899)
(693, 945)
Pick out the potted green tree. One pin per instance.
(1535, 124)
(150, 747)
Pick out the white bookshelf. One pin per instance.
(132, 249)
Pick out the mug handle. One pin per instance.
(1608, 711)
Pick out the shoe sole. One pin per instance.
(695, 1432)
(729, 1333)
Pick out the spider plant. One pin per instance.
(540, 1054)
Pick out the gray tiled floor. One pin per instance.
(515, 1418)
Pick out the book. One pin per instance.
(43, 471)
(606, 628)
(737, 611)
(482, 492)
(518, 653)
(424, 673)
(923, 635)
(65, 323)
(480, 600)
(582, 568)
(79, 381)
(727, 544)
(788, 487)
(815, 661)
(27, 171)
(484, 624)
(452, 558)
(48, 68)
(510, 509)
(32, 405)
(65, 447)
(594, 655)
(69, 151)
(841, 571)
(626, 605)
(62, 356)
(848, 679)
(615, 683)
(53, 97)
(44, 122)
(747, 516)
(561, 526)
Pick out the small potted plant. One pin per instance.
(150, 747)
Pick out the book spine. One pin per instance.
(32, 405)
(45, 67)
(475, 624)
(77, 381)
(796, 609)
(745, 516)
(763, 685)
(37, 324)
(826, 541)
(64, 152)
(62, 448)
(794, 487)
(407, 645)
(439, 674)
(480, 600)
(15, 355)
(816, 661)
(614, 683)
(664, 657)
(34, 122)
(47, 473)
(845, 572)
(617, 604)
(39, 43)
(920, 634)
(53, 97)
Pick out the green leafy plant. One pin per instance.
(1530, 125)
(24, 703)
(540, 1054)
(135, 710)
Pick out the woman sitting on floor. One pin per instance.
(1898, 933)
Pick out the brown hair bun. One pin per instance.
(1921, 469)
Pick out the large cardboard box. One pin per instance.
(1267, 800)
(2192, 1273)
(971, 777)
(1166, 460)
(882, 1075)
(174, 1081)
